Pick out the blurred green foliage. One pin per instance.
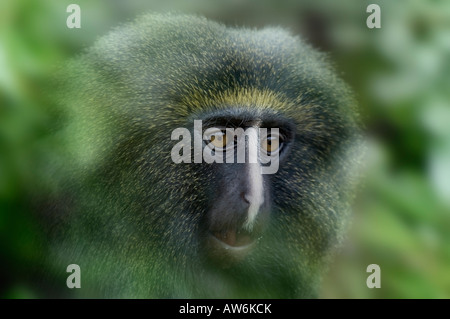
(401, 76)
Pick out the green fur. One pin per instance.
(131, 216)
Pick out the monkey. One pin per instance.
(140, 225)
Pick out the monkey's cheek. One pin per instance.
(223, 255)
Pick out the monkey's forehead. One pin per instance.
(189, 63)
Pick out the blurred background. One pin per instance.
(400, 74)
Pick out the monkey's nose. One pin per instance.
(246, 198)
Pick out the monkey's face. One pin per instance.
(239, 193)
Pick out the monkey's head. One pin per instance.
(149, 216)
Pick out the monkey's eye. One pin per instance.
(218, 139)
(272, 143)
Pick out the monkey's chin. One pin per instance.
(225, 255)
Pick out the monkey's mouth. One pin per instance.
(232, 239)
(226, 248)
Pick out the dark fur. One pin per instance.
(133, 220)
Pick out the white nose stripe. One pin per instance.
(255, 192)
